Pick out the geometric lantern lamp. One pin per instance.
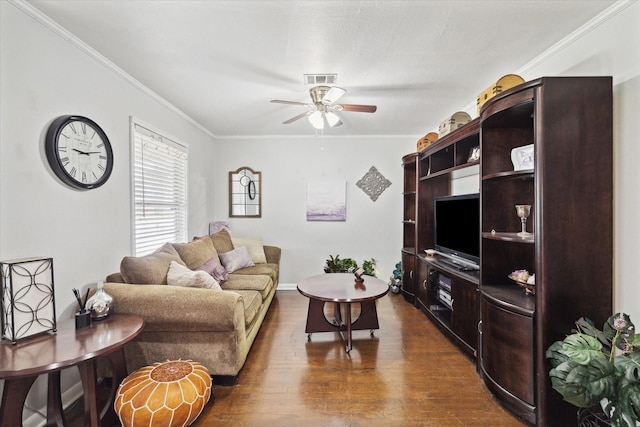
(28, 304)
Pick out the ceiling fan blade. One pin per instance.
(357, 108)
(298, 117)
(333, 95)
(279, 101)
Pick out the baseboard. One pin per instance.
(287, 286)
(69, 397)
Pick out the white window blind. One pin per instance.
(159, 190)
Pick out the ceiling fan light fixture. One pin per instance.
(332, 118)
(333, 95)
(317, 120)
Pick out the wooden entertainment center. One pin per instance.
(568, 121)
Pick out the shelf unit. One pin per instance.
(436, 165)
(409, 239)
(570, 188)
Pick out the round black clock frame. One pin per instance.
(93, 156)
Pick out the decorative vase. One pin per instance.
(100, 304)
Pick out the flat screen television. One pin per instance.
(456, 228)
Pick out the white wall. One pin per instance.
(43, 76)
(86, 232)
(371, 230)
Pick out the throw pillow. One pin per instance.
(179, 275)
(215, 269)
(149, 269)
(222, 241)
(196, 253)
(254, 245)
(236, 259)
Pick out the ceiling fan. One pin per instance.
(324, 107)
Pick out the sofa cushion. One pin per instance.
(215, 269)
(236, 259)
(252, 304)
(179, 275)
(254, 282)
(271, 270)
(196, 253)
(254, 245)
(222, 241)
(149, 269)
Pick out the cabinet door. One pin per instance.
(507, 358)
(464, 319)
(408, 276)
(422, 284)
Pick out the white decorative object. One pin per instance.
(373, 183)
(28, 303)
(522, 157)
(100, 305)
(523, 212)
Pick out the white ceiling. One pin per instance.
(221, 62)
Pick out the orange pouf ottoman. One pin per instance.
(171, 393)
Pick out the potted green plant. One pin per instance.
(369, 267)
(348, 265)
(600, 369)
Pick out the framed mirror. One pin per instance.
(245, 193)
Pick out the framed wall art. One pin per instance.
(327, 200)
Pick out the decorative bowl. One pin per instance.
(527, 288)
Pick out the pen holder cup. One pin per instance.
(83, 319)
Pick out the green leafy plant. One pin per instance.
(593, 368)
(369, 267)
(348, 265)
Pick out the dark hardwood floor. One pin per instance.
(408, 374)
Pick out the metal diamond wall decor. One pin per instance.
(373, 183)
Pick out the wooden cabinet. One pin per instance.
(410, 211)
(449, 297)
(409, 276)
(569, 187)
(456, 309)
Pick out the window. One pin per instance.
(159, 189)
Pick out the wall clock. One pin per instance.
(79, 152)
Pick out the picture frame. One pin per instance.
(522, 157)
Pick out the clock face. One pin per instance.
(79, 152)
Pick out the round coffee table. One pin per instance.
(341, 288)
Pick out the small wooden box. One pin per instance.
(505, 82)
(426, 141)
(454, 122)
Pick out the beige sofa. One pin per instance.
(213, 327)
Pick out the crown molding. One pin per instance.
(57, 29)
(585, 29)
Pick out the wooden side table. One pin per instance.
(20, 365)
